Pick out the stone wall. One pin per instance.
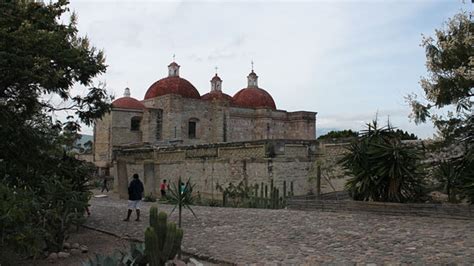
(114, 129)
(208, 165)
(333, 175)
(101, 147)
(255, 124)
(122, 132)
(178, 112)
(219, 122)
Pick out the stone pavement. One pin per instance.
(245, 236)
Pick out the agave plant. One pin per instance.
(449, 174)
(465, 174)
(382, 168)
(117, 259)
(182, 196)
(135, 256)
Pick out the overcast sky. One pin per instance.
(345, 60)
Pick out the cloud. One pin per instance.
(227, 51)
(342, 59)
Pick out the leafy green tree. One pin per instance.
(450, 87)
(405, 135)
(339, 134)
(382, 168)
(450, 83)
(39, 57)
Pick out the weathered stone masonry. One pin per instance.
(253, 162)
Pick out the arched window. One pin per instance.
(135, 123)
(192, 128)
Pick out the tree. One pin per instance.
(339, 134)
(450, 85)
(405, 135)
(382, 168)
(41, 56)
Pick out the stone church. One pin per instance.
(213, 138)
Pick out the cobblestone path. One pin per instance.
(285, 237)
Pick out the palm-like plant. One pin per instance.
(383, 169)
(457, 175)
(449, 174)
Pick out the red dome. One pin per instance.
(172, 85)
(253, 98)
(128, 103)
(216, 95)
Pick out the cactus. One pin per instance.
(154, 217)
(160, 230)
(151, 247)
(177, 242)
(169, 242)
(162, 239)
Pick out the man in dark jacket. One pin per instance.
(135, 193)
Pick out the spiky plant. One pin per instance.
(182, 197)
(382, 168)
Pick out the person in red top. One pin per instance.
(163, 189)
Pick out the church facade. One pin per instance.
(175, 132)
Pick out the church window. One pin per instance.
(192, 125)
(135, 124)
(268, 130)
(192, 130)
(159, 124)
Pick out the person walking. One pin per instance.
(163, 189)
(104, 184)
(135, 194)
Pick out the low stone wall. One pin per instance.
(403, 209)
(255, 162)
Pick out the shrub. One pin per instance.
(150, 198)
(382, 168)
(40, 217)
(19, 228)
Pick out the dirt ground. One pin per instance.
(97, 242)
